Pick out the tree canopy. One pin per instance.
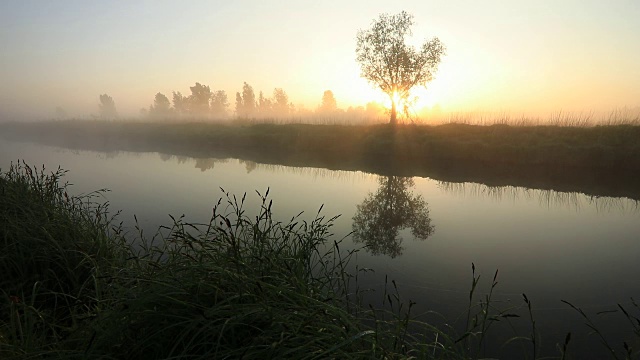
(199, 100)
(107, 107)
(246, 102)
(389, 63)
(219, 104)
(161, 107)
(329, 103)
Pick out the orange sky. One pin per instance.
(515, 57)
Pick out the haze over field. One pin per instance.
(516, 57)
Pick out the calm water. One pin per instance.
(546, 244)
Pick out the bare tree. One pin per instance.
(395, 67)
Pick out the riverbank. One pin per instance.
(76, 286)
(598, 161)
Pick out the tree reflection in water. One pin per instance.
(381, 216)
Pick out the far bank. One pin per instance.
(600, 160)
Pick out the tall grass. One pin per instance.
(54, 248)
(239, 286)
(243, 285)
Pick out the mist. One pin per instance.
(319, 179)
(67, 54)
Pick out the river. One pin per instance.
(550, 245)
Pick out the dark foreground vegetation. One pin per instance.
(599, 160)
(75, 286)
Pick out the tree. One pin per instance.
(199, 99)
(248, 99)
(264, 106)
(329, 104)
(161, 106)
(219, 104)
(60, 113)
(107, 107)
(395, 67)
(179, 103)
(381, 216)
(239, 105)
(246, 102)
(280, 103)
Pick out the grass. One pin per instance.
(602, 160)
(602, 147)
(243, 285)
(238, 287)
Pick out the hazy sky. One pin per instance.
(504, 56)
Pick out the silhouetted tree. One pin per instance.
(239, 105)
(219, 104)
(246, 102)
(264, 106)
(179, 103)
(107, 107)
(386, 61)
(60, 113)
(329, 104)
(382, 215)
(161, 107)
(199, 100)
(281, 106)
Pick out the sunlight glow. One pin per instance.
(395, 97)
(423, 98)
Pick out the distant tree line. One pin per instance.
(206, 104)
(202, 103)
(277, 106)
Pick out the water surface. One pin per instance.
(549, 245)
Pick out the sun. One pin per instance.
(420, 97)
(395, 97)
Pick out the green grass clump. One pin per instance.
(239, 286)
(53, 249)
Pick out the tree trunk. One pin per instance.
(394, 118)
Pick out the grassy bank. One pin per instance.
(604, 147)
(74, 286)
(599, 160)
